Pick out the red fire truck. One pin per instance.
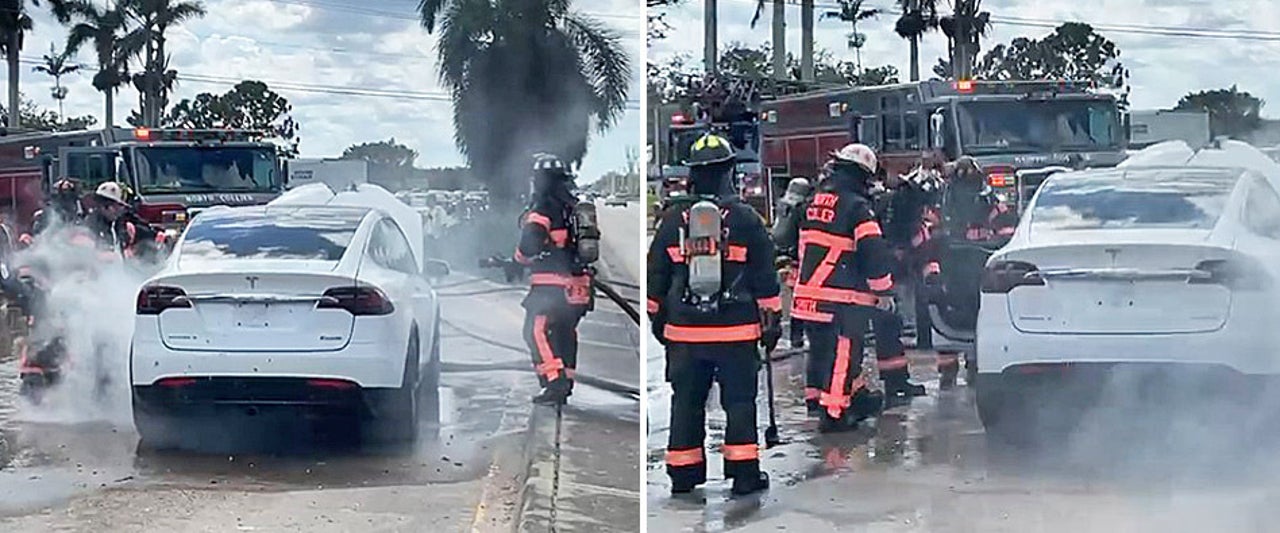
(173, 172)
(1006, 126)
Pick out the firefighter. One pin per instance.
(114, 224)
(900, 207)
(972, 213)
(559, 286)
(713, 296)
(786, 236)
(63, 207)
(844, 278)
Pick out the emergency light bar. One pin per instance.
(148, 134)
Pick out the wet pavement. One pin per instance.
(73, 464)
(929, 467)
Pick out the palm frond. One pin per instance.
(759, 10)
(429, 11)
(173, 14)
(608, 67)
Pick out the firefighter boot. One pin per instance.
(812, 407)
(899, 391)
(948, 369)
(555, 394)
(744, 485)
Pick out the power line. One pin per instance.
(413, 16)
(1140, 29)
(435, 96)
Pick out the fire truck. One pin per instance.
(1007, 126)
(173, 173)
(727, 107)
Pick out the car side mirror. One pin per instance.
(435, 269)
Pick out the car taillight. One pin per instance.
(176, 382)
(338, 384)
(359, 301)
(1003, 276)
(154, 299)
(1236, 274)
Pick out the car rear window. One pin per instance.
(1165, 198)
(305, 234)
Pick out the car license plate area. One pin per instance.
(252, 315)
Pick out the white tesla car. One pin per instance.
(1143, 268)
(321, 307)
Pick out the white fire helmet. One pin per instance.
(111, 191)
(859, 154)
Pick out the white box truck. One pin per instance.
(339, 174)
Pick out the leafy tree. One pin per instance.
(105, 30)
(1232, 112)
(387, 152)
(250, 105)
(676, 80)
(657, 24)
(1073, 51)
(964, 27)
(526, 76)
(918, 18)
(34, 118)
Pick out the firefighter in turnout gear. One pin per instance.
(63, 207)
(845, 279)
(970, 213)
(786, 237)
(560, 282)
(901, 207)
(713, 297)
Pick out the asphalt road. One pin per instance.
(74, 465)
(930, 467)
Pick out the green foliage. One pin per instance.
(387, 152)
(672, 81)
(1232, 112)
(35, 118)
(250, 105)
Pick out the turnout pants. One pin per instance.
(835, 355)
(891, 356)
(551, 331)
(691, 369)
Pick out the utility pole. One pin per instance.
(806, 41)
(709, 36)
(779, 39)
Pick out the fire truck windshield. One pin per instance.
(206, 169)
(1038, 126)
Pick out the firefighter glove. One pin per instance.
(770, 329)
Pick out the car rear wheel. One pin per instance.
(1002, 414)
(429, 388)
(396, 411)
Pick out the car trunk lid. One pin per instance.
(1113, 284)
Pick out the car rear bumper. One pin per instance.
(219, 395)
(1245, 345)
(366, 365)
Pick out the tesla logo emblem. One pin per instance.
(1113, 252)
(253, 281)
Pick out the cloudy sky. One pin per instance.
(1164, 67)
(320, 47)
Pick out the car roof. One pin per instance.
(1153, 176)
(353, 214)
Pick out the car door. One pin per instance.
(411, 286)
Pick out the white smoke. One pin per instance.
(90, 297)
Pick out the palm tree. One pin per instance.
(525, 76)
(153, 18)
(918, 18)
(851, 11)
(56, 65)
(14, 24)
(104, 28)
(964, 30)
